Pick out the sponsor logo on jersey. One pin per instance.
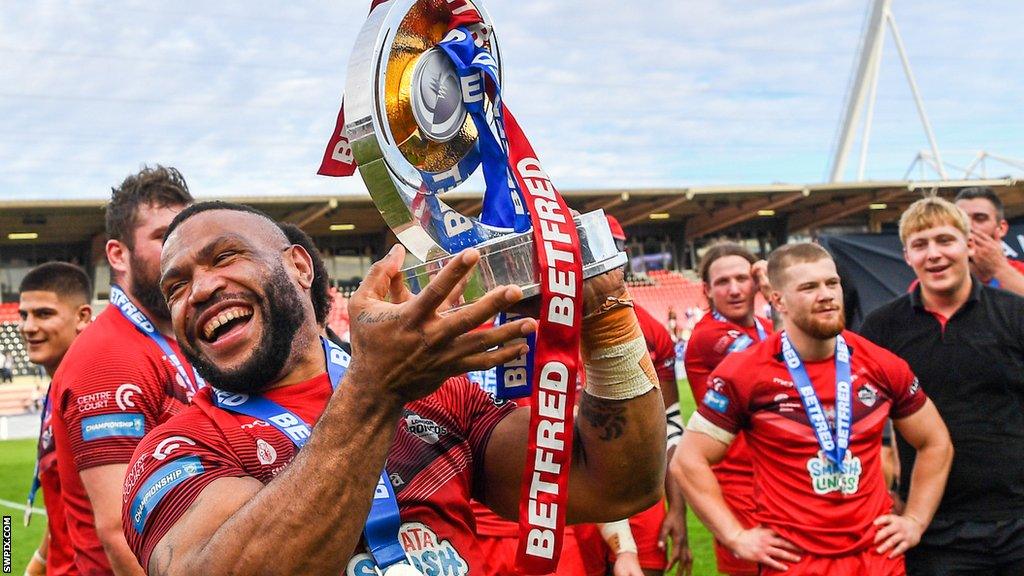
(94, 401)
(914, 387)
(429, 554)
(265, 452)
(133, 475)
(396, 480)
(424, 429)
(787, 403)
(124, 425)
(716, 401)
(826, 477)
(170, 444)
(782, 382)
(867, 394)
(124, 395)
(742, 342)
(159, 484)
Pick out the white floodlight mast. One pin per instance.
(867, 81)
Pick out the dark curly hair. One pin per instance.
(159, 186)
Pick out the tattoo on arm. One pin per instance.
(377, 317)
(606, 415)
(160, 561)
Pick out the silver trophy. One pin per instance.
(413, 139)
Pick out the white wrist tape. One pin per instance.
(619, 537)
(618, 372)
(673, 425)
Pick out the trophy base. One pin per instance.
(511, 259)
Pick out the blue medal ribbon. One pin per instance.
(834, 447)
(34, 488)
(512, 379)
(761, 329)
(138, 318)
(503, 206)
(384, 521)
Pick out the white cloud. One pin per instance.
(242, 96)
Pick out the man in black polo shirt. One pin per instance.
(965, 342)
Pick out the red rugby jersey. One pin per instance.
(711, 341)
(60, 556)
(798, 493)
(437, 452)
(659, 344)
(113, 386)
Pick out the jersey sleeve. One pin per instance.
(697, 362)
(907, 395)
(169, 469)
(108, 403)
(659, 344)
(481, 412)
(723, 404)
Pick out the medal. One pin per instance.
(833, 447)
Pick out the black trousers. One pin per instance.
(961, 548)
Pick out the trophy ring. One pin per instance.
(413, 140)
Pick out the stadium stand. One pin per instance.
(664, 290)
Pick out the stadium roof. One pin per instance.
(701, 210)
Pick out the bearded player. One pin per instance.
(53, 303)
(218, 490)
(730, 326)
(123, 375)
(812, 401)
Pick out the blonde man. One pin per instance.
(965, 341)
(812, 401)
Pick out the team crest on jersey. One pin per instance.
(124, 396)
(424, 429)
(867, 394)
(425, 551)
(826, 477)
(170, 444)
(265, 452)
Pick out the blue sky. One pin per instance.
(242, 96)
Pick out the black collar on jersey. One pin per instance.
(917, 302)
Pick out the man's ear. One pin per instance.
(775, 299)
(83, 317)
(303, 264)
(118, 254)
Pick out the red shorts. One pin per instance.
(499, 554)
(645, 526)
(867, 562)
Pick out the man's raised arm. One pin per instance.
(618, 461)
(309, 518)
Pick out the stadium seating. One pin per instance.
(668, 291)
(11, 343)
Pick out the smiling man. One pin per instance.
(123, 376)
(729, 326)
(965, 340)
(812, 401)
(53, 304)
(224, 487)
